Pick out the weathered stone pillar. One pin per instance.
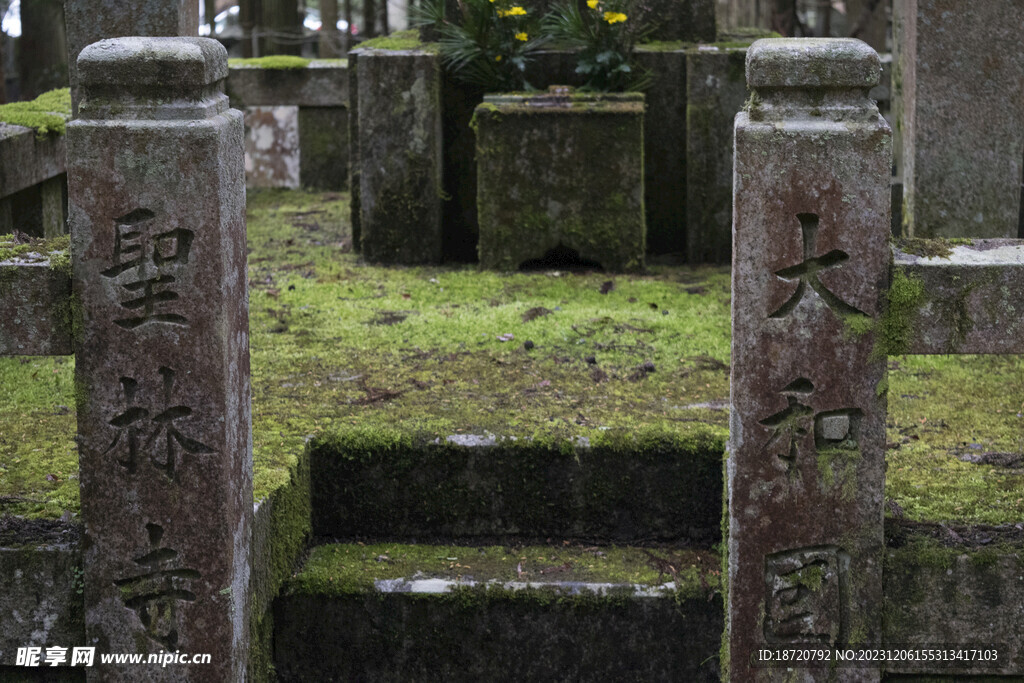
(962, 116)
(399, 155)
(807, 432)
(157, 205)
(88, 21)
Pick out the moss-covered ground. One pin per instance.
(344, 568)
(443, 350)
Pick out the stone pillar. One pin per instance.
(88, 21)
(715, 92)
(962, 116)
(157, 207)
(51, 196)
(807, 433)
(399, 155)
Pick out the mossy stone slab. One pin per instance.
(524, 615)
(561, 171)
(653, 487)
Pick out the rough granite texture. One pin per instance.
(962, 127)
(323, 147)
(88, 21)
(970, 298)
(26, 159)
(400, 156)
(324, 83)
(42, 597)
(811, 180)
(560, 172)
(157, 203)
(272, 147)
(37, 308)
(951, 593)
(715, 93)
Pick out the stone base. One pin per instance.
(561, 173)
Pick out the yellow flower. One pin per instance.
(592, 4)
(614, 17)
(522, 36)
(498, 58)
(517, 11)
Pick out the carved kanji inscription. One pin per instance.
(152, 428)
(789, 426)
(144, 262)
(806, 272)
(156, 593)
(805, 599)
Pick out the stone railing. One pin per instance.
(32, 182)
(296, 118)
(158, 321)
(812, 327)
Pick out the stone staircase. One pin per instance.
(489, 558)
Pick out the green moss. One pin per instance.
(56, 249)
(664, 46)
(272, 62)
(400, 40)
(339, 569)
(903, 299)
(753, 107)
(931, 248)
(47, 114)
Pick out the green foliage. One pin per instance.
(490, 46)
(605, 36)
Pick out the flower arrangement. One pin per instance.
(491, 46)
(605, 34)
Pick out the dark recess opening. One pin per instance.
(561, 258)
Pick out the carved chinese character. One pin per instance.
(144, 260)
(156, 593)
(806, 272)
(155, 432)
(790, 426)
(805, 595)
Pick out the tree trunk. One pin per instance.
(210, 11)
(247, 19)
(44, 53)
(330, 43)
(384, 17)
(283, 27)
(369, 18)
(348, 22)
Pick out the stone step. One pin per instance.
(658, 485)
(391, 612)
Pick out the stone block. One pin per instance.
(157, 202)
(665, 152)
(323, 147)
(42, 596)
(88, 21)
(715, 92)
(26, 159)
(560, 175)
(962, 594)
(37, 305)
(324, 83)
(272, 152)
(963, 298)
(811, 180)
(400, 155)
(962, 128)
(353, 151)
